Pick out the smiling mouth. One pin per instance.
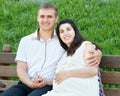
(67, 38)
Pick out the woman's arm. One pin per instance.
(89, 71)
(78, 73)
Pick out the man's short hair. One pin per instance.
(48, 6)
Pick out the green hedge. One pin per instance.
(98, 21)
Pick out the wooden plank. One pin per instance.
(5, 84)
(112, 92)
(110, 62)
(7, 58)
(8, 71)
(110, 78)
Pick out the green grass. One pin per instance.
(98, 21)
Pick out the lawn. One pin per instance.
(98, 21)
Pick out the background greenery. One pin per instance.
(98, 21)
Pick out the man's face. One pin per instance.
(46, 19)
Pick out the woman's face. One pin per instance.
(67, 33)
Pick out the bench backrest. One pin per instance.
(108, 76)
(7, 70)
(111, 75)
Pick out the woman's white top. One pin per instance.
(75, 86)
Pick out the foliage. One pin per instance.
(98, 21)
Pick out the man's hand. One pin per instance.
(37, 79)
(37, 82)
(94, 59)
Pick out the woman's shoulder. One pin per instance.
(86, 42)
(84, 45)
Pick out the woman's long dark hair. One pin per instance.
(77, 41)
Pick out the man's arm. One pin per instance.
(95, 59)
(21, 71)
(23, 76)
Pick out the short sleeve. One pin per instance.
(21, 53)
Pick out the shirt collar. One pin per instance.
(35, 34)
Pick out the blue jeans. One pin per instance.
(22, 90)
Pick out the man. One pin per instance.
(38, 55)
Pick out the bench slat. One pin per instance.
(111, 77)
(112, 92)
(110, 62)
(7, 58)
(5, 84)
(8, 71)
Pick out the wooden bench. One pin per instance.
(7, 71)
(108, 77)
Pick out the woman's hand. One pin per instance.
(62, 75)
